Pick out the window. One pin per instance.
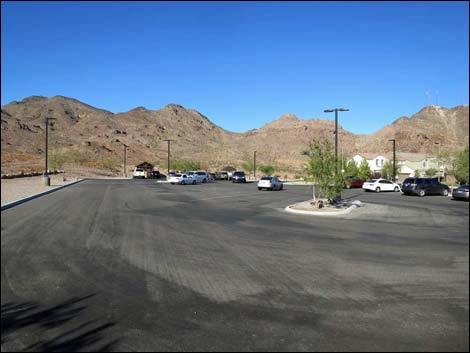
(376, 162)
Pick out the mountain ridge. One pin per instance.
(98, 134)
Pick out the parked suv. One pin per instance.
(424, 186)
(238, 177)
(139, 173)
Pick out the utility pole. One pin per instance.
(169, 155)
(394, 168)
(336, 110)
(254, 165)
(46, 179)
(125, 157)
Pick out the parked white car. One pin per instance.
(139, 173)
(270, 183)
(379, 185)
(181, 179)
(199, 176)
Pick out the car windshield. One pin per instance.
(139, 170)
(371, 180)
(464, 187)
(266, 178)
(239, 174)
(201, 173)
(177, 175)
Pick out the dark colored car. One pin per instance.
(424, 186)
(238, 177)
(461, 193)
(154, 174)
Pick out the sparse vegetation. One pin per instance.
(267, 169)
(184, 165)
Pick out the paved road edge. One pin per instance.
(26, 199)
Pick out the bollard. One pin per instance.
(46, 180)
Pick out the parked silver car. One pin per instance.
(270, 183)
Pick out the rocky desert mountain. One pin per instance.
(95, 137)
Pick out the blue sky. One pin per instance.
(242, 64)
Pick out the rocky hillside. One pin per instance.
(93, 137)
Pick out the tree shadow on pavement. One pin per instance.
(31, 320)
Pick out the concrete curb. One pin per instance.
(327, 214)
(19, 202)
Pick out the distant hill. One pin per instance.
(96, 136)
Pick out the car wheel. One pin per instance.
(183, 183)
(194, 182)
(445, 192)
(421, 192)
(282, 187)
(396, 189)
(259, 189)
(377, 190)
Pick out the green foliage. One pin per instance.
(247, 166)
(184, 165)
(430, 172)
(320, 169)
(460, 168)
(351, 170)
(364, 170)
(266, 169)
(387, 170)
(417, 173)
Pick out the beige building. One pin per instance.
(407, 163)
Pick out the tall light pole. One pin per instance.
(336, 110)
(394, 168)
(46, 179)
(438, 157)
(254, 164)
(125, 157)
(169, 156)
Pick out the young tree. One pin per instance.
(461, 168)
(351, 169)
(320, 169)
(387, 170)
(364, 170)
(430, 172)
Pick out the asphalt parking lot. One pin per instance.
(132, 265)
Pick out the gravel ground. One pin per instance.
(20, 188)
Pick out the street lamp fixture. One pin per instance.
(46, 179)
(394, 161)
(336, 110)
